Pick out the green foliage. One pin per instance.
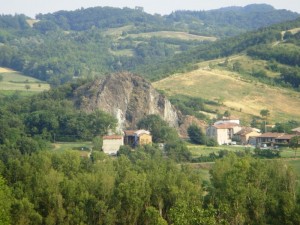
(267, 153)
(160, 130)
(191, 105)
(178, 151)
(286, 127)
(81, 43)
(265, 113)
(212, 142)
(97, 143)
(262, 200)
(196, 134)
(5, 203)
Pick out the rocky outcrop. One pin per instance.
(127, 97)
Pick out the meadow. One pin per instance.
(13, 81)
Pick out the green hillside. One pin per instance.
(238, 92)
(64, 45)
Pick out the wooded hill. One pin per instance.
(92, 42)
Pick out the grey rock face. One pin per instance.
(127, 97)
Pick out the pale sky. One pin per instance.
(33, 7)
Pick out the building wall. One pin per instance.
(222, 136)
(145, 139)
(111, 146)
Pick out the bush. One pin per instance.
(211, 142)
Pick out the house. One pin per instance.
(247, 135)
(268, 138)
(223, 132)
(137, 137)
(112, 143)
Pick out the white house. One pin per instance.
(112, 143)
(223, 132)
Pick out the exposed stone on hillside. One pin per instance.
(127, 97)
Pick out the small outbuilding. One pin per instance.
(112, 143)
(137, 137)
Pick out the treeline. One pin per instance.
(143, 188)
(230, 21)
(103, 18)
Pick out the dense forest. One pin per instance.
(65, 45)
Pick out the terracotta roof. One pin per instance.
(245, 130)
(135, 132)
(139, 132)
(226, 125)
(286, 137)
(112, 137)
(271, 135)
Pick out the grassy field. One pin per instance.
(13, 81)
(117, 33)
(82, 148)
(242, 96)
(201, 150)
(173, 34)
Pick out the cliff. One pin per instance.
(127, 97)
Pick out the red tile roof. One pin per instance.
(226, 125)
(129, 132)
(112, 137)
(245, 130)
(271, 135)
(286, 137)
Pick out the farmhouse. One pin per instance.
(274, 138)
(223, 132)
(137, 137)
(247, 135)
(112, 143)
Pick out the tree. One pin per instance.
(5, 203)
(227, 113)
(27, 87)
(295, 143)
(97, 143)
(265, 113)
(196, 134)
(160, 130)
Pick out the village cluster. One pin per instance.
(229, 131)
(226, 131)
